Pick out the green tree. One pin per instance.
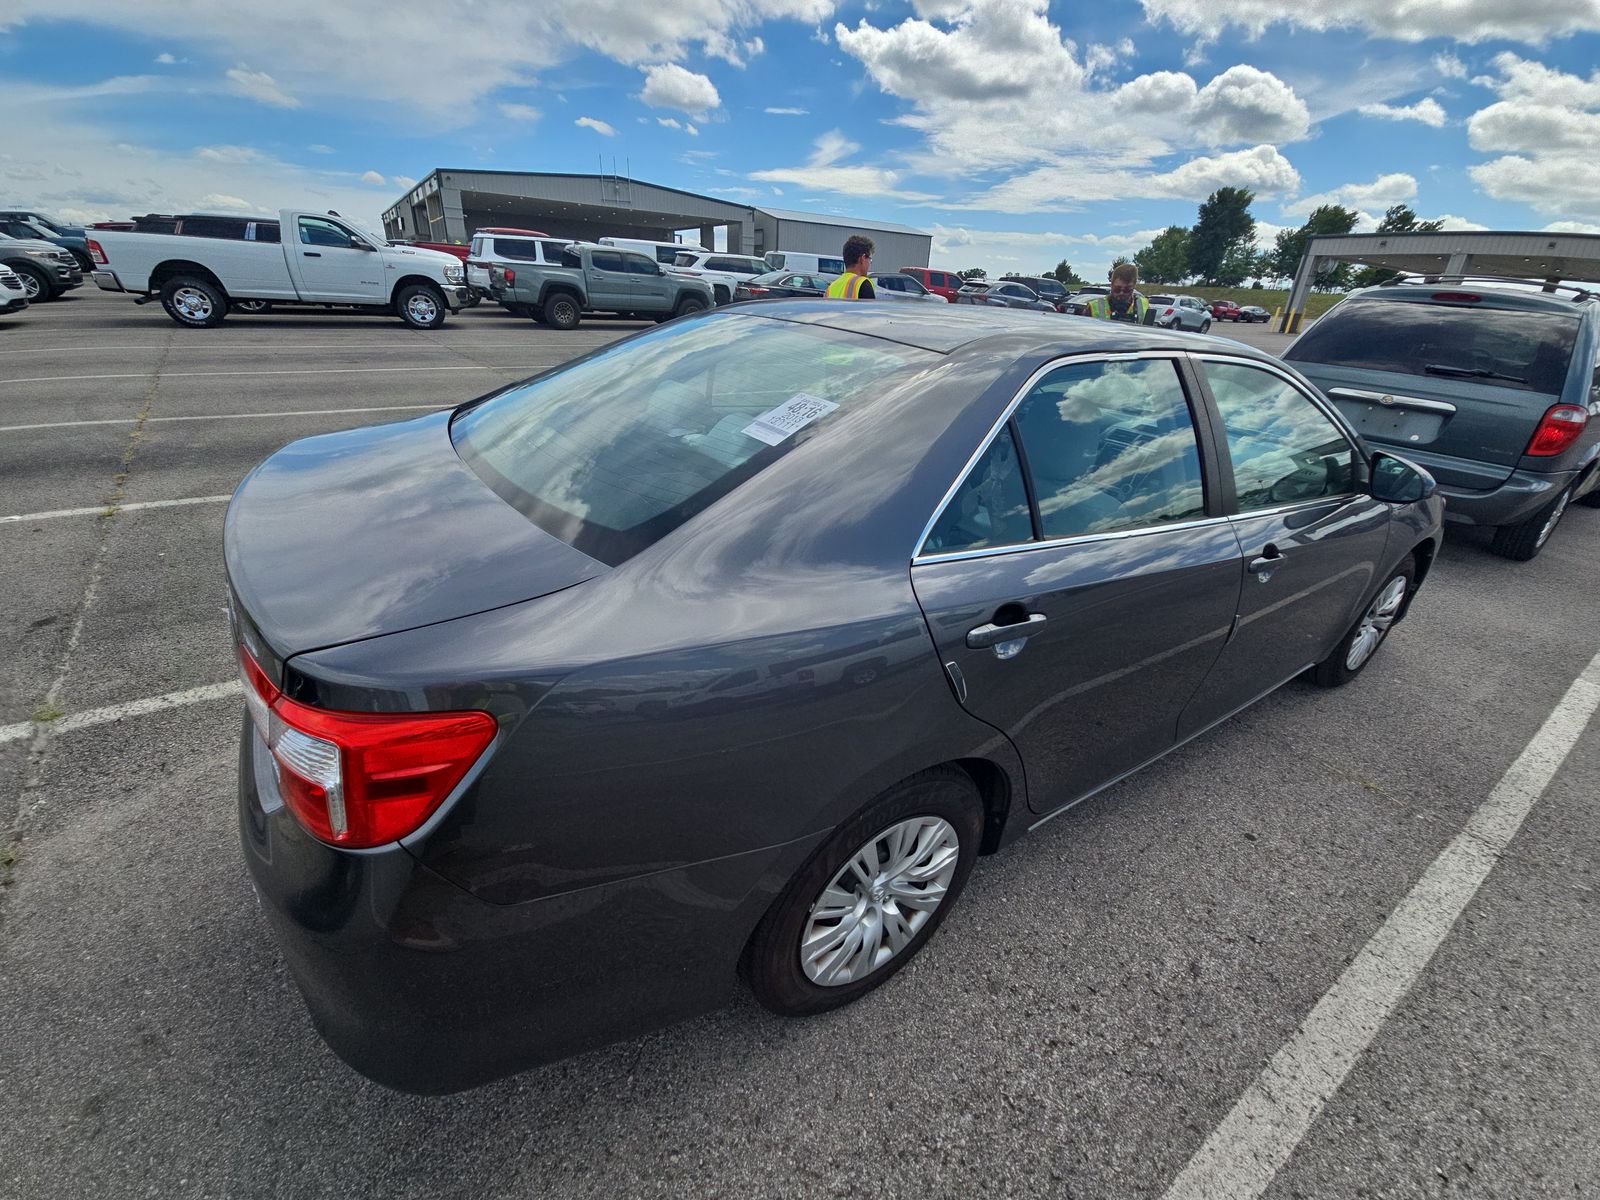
(1225, 224)
(1166, 259)
(1242, 262)
(973, 273)
(1400, 218)
(1290, 246)
(1063, 273)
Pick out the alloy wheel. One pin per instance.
(422, 308)
(192, 304)
(31, 285)
(1380, 615)
(876, 904)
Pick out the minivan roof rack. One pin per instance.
(1579, 294)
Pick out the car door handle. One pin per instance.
(1270, 560)
(312, 253)
(991, 635)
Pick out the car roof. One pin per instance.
(1499, 295)
(962, 327)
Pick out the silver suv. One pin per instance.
(1180, 312)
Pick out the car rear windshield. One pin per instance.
(1512, 348)
(618, 450)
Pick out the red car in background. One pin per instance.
(940, 283)
(1224, 310)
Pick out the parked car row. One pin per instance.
(44, 269)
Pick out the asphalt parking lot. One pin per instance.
(1107, 992)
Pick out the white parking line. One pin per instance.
(1244, 1154)
(116, 712)
(247, 374)
(300, 412)
(121, 508)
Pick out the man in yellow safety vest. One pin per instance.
(1124, 303)
(854, 284)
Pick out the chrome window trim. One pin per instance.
(1342, 498)
(983, 448)
(1388, 398)
(1054, 543)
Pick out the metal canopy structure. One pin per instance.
(1546, 257)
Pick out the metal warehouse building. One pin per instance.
(450, 204)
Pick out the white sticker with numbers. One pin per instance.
(793, 415)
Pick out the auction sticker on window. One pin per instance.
(793, 415)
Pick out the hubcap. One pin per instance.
(1380, 615)
(879, 900)
(422, 308)
(1555, 515)
(192, 303)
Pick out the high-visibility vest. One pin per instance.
(846, 287)
(1100, 307)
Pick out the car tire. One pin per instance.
(943, 809)
(689, 304)
(1205, 326)
(720, 296)
(1360, 644)
(35, 283)
(561, 311)
(473, 300)
(193, 301)
(1524, 540)
(420, 305)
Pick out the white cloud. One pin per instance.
(993, 85)
(957, 247)
(165, 60)
(1460, 224)
(1428, 110)
(520, 112)
(1544, 127)
(1570, 227)
(1449, 65)
(221, 202)
(598, 126)
(667, 85)
(787, 112)
(319, 148)
(690, 128)
(667, 122)
(374, 178)
(1262, 169)
(403, 181)
(1365, 198)
(1405, 20)
(461, 50)
(824, 171)
(231, 154)
(258, 85)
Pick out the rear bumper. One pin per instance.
(107, 281)
(1512, 502)
(423, 987)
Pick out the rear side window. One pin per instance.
(638, 264)
(1284, 448)
(516, 248)
(684, 259)
(666, 254)
(989, 508)
(616, 451)
(477, 247)
(553, 251)
(1505, 347)
(604, 260)
(1111, 446)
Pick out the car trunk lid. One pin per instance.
(372, 531)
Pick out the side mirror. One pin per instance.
(1398, 481)
(660, 270)
(358, 244)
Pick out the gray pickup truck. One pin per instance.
(595, 278)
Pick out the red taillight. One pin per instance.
(1457, 297)
(511, 276)
(1558, 430)
(1169, 312)
(756, 291)
(358, 780)
(96, 253)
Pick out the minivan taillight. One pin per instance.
(1560, 427)
(357, 780)
(96, 253)
(511, 276)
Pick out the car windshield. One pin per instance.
(772, 277)
(616, 451)
(1513, 348)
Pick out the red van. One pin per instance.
(940, 283)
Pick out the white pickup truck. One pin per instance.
(214, 263)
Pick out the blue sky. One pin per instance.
(1018, 133)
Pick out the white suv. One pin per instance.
(722, 271)
(13, 296)
(508, 247)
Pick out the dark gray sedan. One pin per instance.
(726, 650)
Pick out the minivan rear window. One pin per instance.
(1513, 348)
(618, 450)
